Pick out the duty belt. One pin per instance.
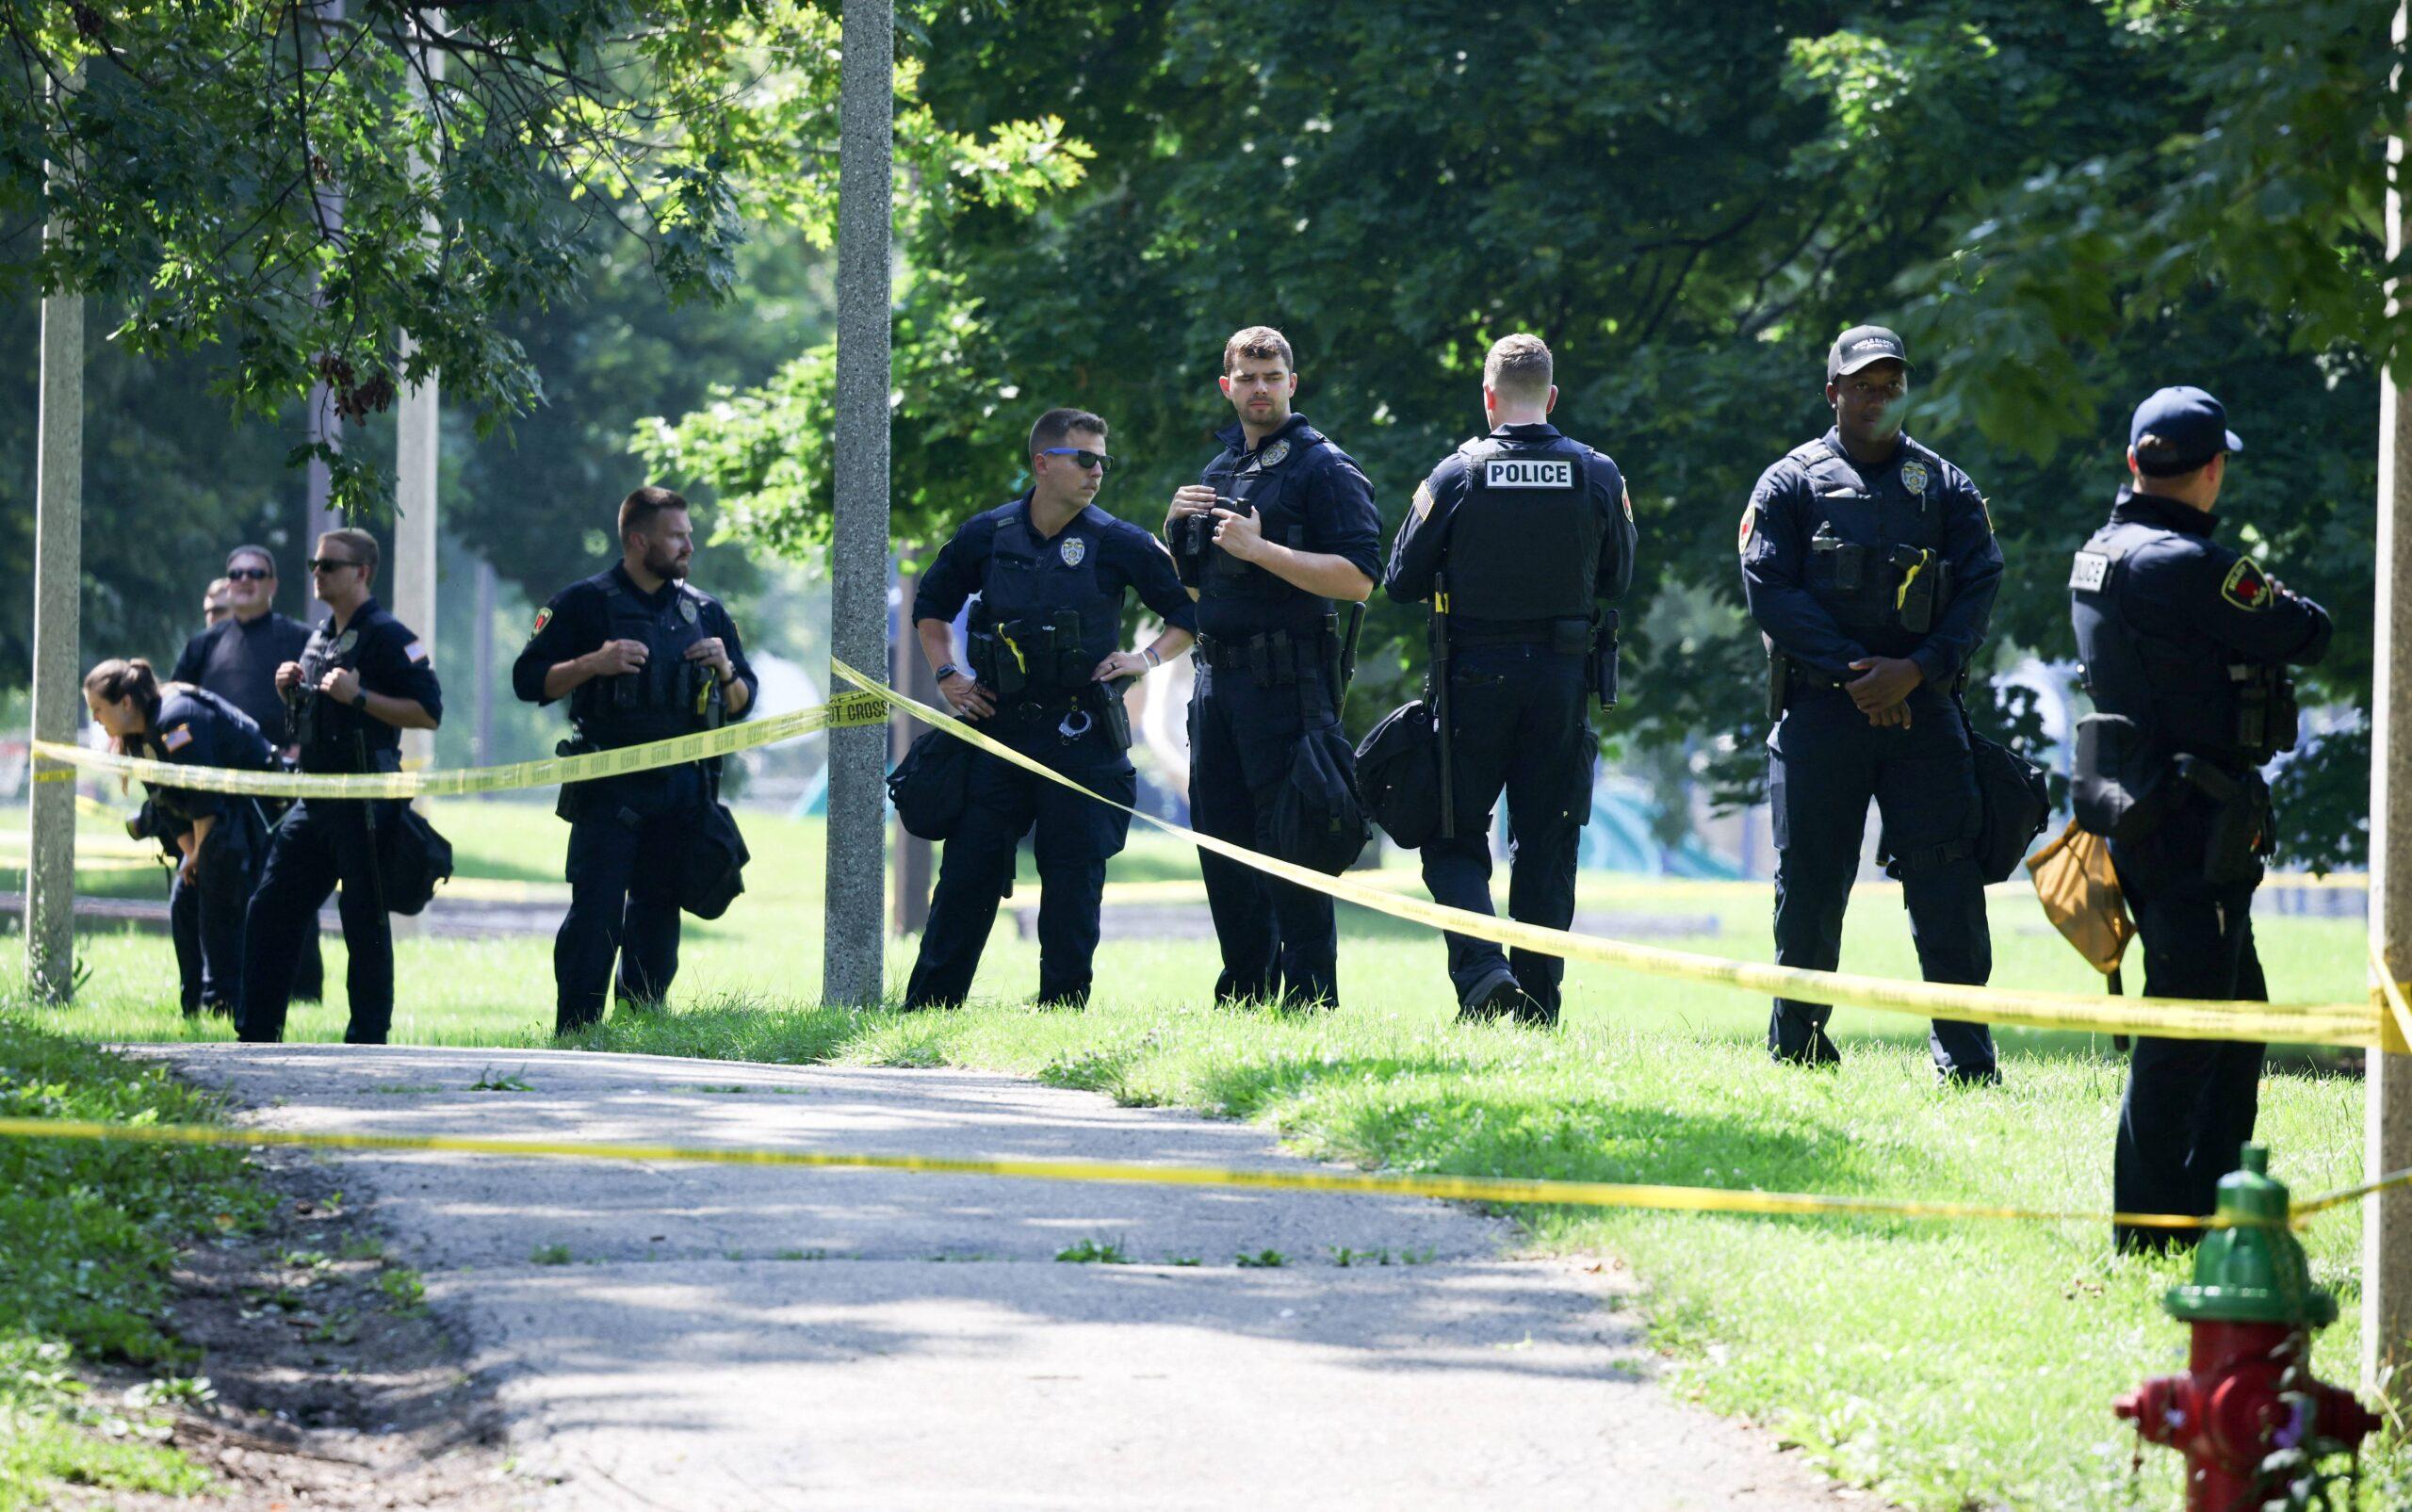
(1274, 656)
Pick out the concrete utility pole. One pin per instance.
(855, 859)
(481, 668)
(325, 426)
(418, 444)
(2386, 1219)
(58, 576)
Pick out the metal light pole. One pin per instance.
(58, 574)
(2386, 1219)
(856, 858)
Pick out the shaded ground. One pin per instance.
(676, 1335)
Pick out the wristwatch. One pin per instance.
(360, 700)
(950, 670)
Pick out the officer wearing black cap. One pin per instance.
(219, 837)
(1051, 571)
(362, 681)
(1512, 540)
(2185, 644)
(641, 654)
(1869, 564)
(1280, 528)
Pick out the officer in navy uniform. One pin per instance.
(237, 657)
(220, 837)
(642, 656)
(1280, 526)
(1514, 538)
(362, 681)
(1869, 563)
(1052, 570)
(2185, 644)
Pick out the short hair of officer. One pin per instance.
(359, 546)
(655, 522)
(1260, 342)
(1057, 427)
(1519, 370)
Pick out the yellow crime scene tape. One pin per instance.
(1512, 1190)
(2344, 1024)
(680, 750)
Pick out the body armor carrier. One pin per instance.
(669, 695)
(1269, 484)
(1044, 621)
(1898, 583)
(1524, 542)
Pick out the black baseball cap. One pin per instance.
(2178, 429)
(1861, 345)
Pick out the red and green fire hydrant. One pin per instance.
(2248, 1390)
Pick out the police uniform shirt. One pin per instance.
(236, 660)
(2203, 602)
(196, 728)
(579, 620)
(1127, 559)
(391, 661)
(1422, 542)
(1913, 498)
(1323, 489)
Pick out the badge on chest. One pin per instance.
(1528, 472)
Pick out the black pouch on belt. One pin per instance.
(2232, 846)
(1604, 659)
(1112, 714)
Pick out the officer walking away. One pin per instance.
(2185, 644)
(1052, 570)
(1512, 540)
(237, 657)
(362, 681)
(1869, 563)
(641, 654)
(1279, 528)
(220, 837)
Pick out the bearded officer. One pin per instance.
(2186, 644)
(642, 656)
(1051, 571)
(1869, 564)
(1280, 527)
(1513, 540)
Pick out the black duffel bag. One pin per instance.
(1318, 822)
(411, 858)
(2015, 802)
(711, 865)
(1398, 775)
(932, 785)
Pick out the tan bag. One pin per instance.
(2080, 894)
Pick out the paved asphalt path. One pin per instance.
(731, 1337)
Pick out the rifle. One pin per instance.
(1441, 703)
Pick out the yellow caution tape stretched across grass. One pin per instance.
(1451, 1188)
(677, 751)
(2340, 1024)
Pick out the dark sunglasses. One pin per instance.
(249, 574)
(329, 564)
(1087, 460)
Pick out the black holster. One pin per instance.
(1603, 666)
(1779, 683)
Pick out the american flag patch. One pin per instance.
(416, 651)
(177, 738)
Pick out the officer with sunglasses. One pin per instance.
(1279, 530)
(1041, 674)
(236, 659)
(362, 681)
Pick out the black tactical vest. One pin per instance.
(1045, 619)
(1875, 562)
(1525, 541)
(2183, 693)
(1271, 483)
(668, 697)
(323, 728)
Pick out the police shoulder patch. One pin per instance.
(1628, 505)
(543, 617)
(416, 651)
(177, 738)
(2246, 586)
(1750, 518)
(1423, 498)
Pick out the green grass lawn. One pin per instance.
(1945, 1366)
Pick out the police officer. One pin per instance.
(220, 837)
(1052, 570)
(216, 602)
(2185, 644)
(1279, 527)
(236, 657)
(361, 681)
(1512, 539)
(642, 656)
(1869, 563)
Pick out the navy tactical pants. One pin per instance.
(205, 916)
(623, 874)
(2191, 1104)
(1827, 762)
(320, 842)
(1518, 726)
(1278, 940)
(1075, 837)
